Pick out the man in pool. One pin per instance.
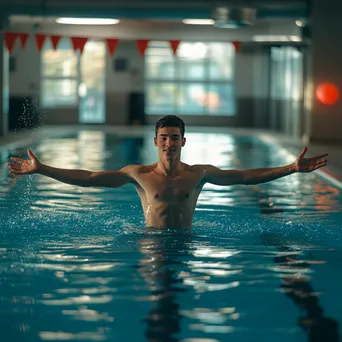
(169, 188)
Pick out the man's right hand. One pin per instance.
(20, 166)
(112, 179)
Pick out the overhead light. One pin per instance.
(260, 38)
(199, 21)
(299, 23)
(87, 21)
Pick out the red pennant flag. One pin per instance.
(142, 45)
(54, 41)
(10, 38)
(40, 40)
(237, 46)
(174, 44)
(23, 39)
(112, 44)
(78, 43)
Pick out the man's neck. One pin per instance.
(169, 167)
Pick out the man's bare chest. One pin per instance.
(179, 188)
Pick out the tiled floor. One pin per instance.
(28, 138)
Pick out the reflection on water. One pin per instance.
(158, 265)
(76, 263)
(296, 286)
(158, 286)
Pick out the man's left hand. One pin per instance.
(310, 164)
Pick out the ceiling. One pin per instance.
(156, 19)
(150, 9)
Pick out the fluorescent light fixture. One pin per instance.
(260, 38)
(199, 21)
(87, 21)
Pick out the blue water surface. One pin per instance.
(262, 263)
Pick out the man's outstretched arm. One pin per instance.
(217, 176)
(83, 178)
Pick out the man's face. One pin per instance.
(169, 142)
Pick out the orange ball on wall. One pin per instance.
(327, 93)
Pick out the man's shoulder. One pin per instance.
(199, 168)
(134, 172)
(136, 169)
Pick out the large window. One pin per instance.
(71, 79)
(59, 75)
(199, 80)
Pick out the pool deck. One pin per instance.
(23, 140)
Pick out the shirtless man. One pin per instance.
(169, 188)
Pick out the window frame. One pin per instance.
(177, 80)
(44, 77)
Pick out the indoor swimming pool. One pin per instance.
(262, 262)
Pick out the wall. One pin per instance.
(24, 77)
(325, 66)
(245, 89)
(25, 81)
(3, 87)
(261, 84)
(120, 84)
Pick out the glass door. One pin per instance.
(91, 90)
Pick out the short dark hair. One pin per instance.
(171, 121)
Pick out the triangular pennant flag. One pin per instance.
(237, 46)
(23, 39)
(54, 41)
(40, 40)
(10, 38)
(174, 44)
(142, 45)
(78, 43)
(112, 44)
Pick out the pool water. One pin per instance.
(262, 262)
